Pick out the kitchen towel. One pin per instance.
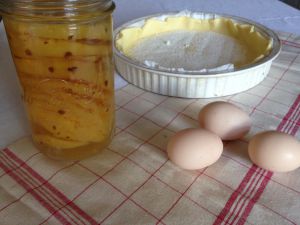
(133, 182)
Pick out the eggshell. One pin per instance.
(275, 151)
(194, 148)
(226, 120)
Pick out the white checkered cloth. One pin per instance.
(132, 181)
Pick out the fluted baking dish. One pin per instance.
(196, 84)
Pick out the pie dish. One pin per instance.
(260, 44)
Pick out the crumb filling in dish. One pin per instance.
(189, 50)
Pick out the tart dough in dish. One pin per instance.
(187, 43)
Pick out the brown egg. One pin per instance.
(226, 120)
(275, 151)
(194, 148)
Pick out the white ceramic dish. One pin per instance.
(191, 84)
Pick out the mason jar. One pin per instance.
(62, 50)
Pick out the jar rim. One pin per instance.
(55, 10)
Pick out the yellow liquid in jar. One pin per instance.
(66, 75)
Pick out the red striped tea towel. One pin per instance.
(132, 181)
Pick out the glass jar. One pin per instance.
(62, 50)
